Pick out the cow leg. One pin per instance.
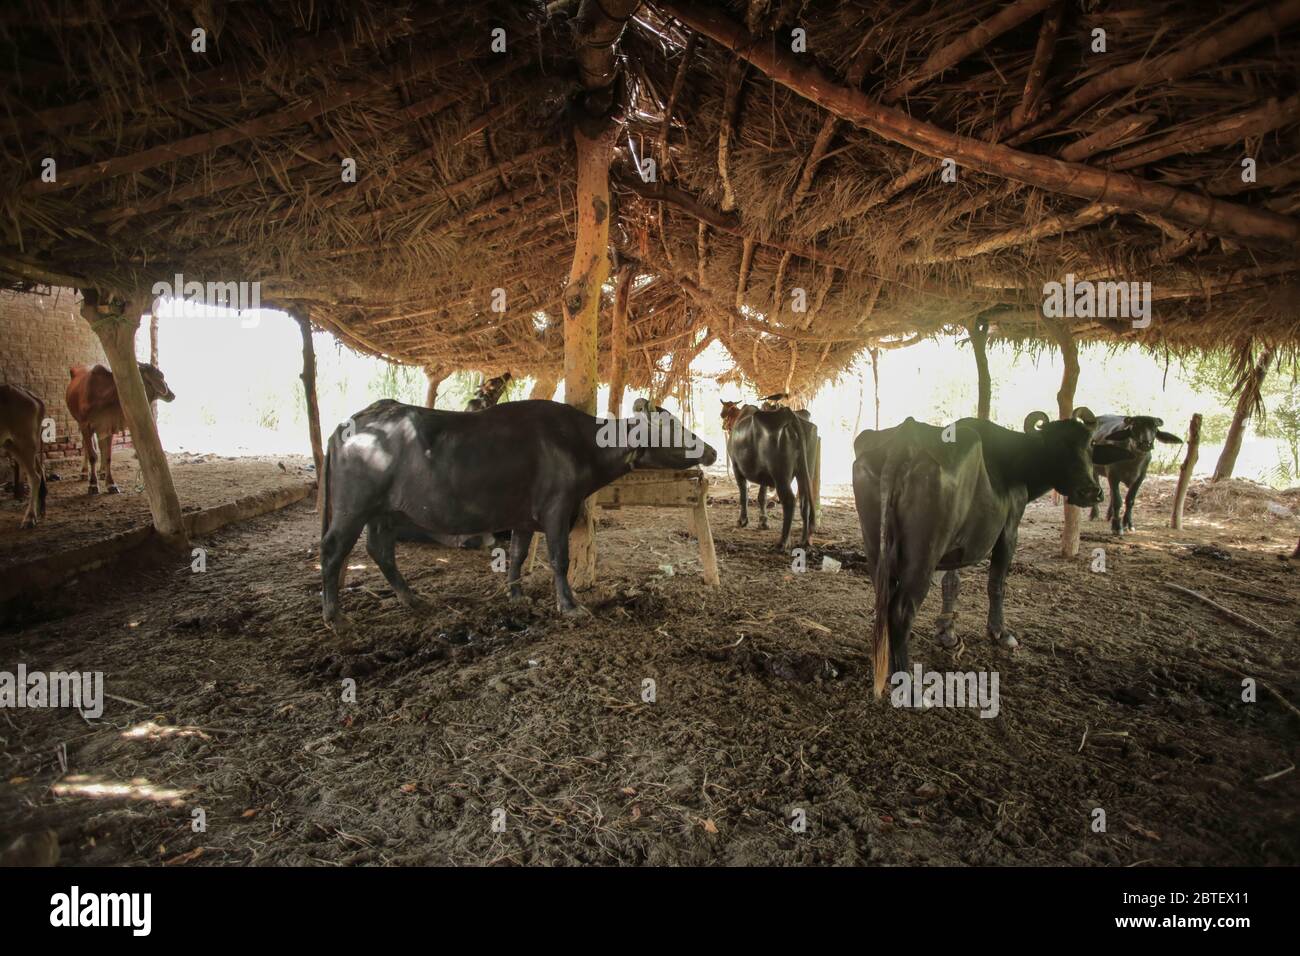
(787, 517)
(106, 448)
(1129, 500)
(381, 545)
(1113, 511)
(999, 565)
(762, 511)
(520, 543)
(30, 465)
(92, 458)
(335, 546)
(743, 486)
(557, 546)
(947, 631)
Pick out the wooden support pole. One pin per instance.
(1185, 472)
(436, 375)
(596, 31)
(979, 340)
(1065, 409)
(302, 315)
(618, 341)
(1249, 391)
(544, 387)
(115, 324)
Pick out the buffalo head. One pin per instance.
(1066, 455)
(155, 386)
(666, 442)
(1141, 432)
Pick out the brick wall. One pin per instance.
(41, 336)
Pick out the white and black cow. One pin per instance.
(927, 504)
(772, 448)
(526, 466)
(1139, 434)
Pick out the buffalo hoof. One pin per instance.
(575, 611)
(416, 605)
(518, 597)
(1006, 640)
(742, 523)
(92, 490)
(341, 628)
(114, 490)
(762, 524)
(948, 637)
(780, 547)
(27, 523)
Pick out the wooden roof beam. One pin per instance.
(1128, 192)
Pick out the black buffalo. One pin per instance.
(526, 466)
(927, 503)
(1139, 434)
(772, 448)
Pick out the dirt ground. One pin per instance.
(73, 518)
(227, 697)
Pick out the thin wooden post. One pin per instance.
(153, 353)
(116, 324)
(979, 339)
(1185, 473)
(1065, 409)
(302, 315)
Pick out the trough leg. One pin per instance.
(521, 545)
(947, 630)
(743, 487)
(708, 556)
(999, 565)
(381, 545)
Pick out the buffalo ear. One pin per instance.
(1124, 434)
(1109, 454)
(1168, 438)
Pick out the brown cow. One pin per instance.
(93, 402)
(21, 413)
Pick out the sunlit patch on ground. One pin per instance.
(98, 788)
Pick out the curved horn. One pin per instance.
(1035, 421)
(1084, 414)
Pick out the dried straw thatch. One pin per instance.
(226, 165)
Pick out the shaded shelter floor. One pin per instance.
(227, 697)
(74, 518)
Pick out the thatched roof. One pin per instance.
(226, 165)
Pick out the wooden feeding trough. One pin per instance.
(657, 488)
